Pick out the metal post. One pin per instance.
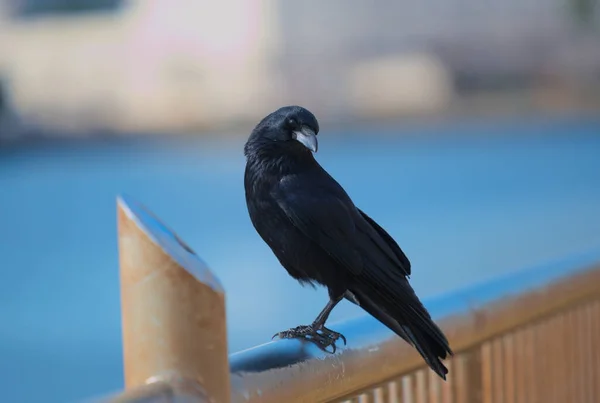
(173, 308)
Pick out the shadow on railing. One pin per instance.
(532, 336)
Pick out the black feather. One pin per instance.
(320, 236)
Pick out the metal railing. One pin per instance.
(533, 336)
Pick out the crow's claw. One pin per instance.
(333, 335)
(322, 337)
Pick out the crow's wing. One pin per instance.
(390, 241)
(327, 221)
(328, 217)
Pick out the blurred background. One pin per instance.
(469, 129)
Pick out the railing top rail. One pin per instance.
(296, 371)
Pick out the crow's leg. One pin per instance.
(319, 323)
(317, 332)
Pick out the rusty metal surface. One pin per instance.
(173, 308)
(294, 371)
(174, 390)
(551, 359)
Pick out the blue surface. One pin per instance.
(467, 202)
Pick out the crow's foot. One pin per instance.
(333, 335)
(322, 336)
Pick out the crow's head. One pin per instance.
(288, 129)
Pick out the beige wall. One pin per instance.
(153, 67)
(149, 67)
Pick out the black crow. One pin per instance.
(320, 236)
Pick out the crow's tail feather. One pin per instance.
(424, 335)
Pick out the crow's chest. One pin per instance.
(275, 227)
(301, 257)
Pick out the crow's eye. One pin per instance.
(292, 122)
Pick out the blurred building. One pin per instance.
(138, 65)
(160, 65)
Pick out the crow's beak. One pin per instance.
(307, 138)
